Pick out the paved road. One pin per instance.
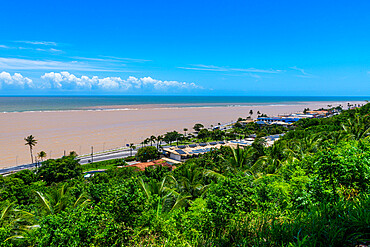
(107, 156)
(17, 168)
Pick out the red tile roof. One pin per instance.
(144, 165)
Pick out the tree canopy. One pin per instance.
(147, 153)
(59, 169)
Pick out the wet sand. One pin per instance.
(114, 127)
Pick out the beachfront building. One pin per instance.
(245, 122)
(318, 114)
(181, 153)
(184, 152)
(278, 120)
(289, 119)
(269, 140)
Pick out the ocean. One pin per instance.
(65, 103)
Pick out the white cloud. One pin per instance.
(16, 80)
(228, 69)
(52, 50)
(113, 59)
(65, 80)
(164, 85)
(299, 69)
(28, 64)
(304, 73)
(48, 43)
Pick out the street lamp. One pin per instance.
(92, 154)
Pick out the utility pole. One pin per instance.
(92, 154)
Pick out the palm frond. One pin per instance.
(44, 202)
(79, 201)
(213, 174)
(6, 212)
(144, 187)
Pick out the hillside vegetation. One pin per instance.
(311, 188)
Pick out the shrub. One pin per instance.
(147, 153)
(54, 171)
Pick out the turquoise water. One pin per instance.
(20, 104)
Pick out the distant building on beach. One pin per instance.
(289, 119)
(181, 153)
(245, 122)
(271, 120)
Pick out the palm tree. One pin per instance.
(41, 155)
(31, 142)
(357, 128)
(59, 199)
(159, 139)
(185, 129)
(305, 146)
(191, 181)
(169, 199)
(240, 157)
(131, 148)
(152, 139)
(19, 221)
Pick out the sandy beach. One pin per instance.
(111, 128)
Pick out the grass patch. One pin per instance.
(107, 164)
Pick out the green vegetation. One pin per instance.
(107, 164)
(54, 171)
(130, 158)
(197, 127)
(41, 155)
(147, 153)
(311, 188)
(172, 136)
(31, 142)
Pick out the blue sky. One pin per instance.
(185, 47)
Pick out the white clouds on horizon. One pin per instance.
(15, 81)
(67, 81)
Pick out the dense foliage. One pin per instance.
(59, 169)
(147, 153)
(311, 188)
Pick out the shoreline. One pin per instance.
(78, 130)
(187, 105)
